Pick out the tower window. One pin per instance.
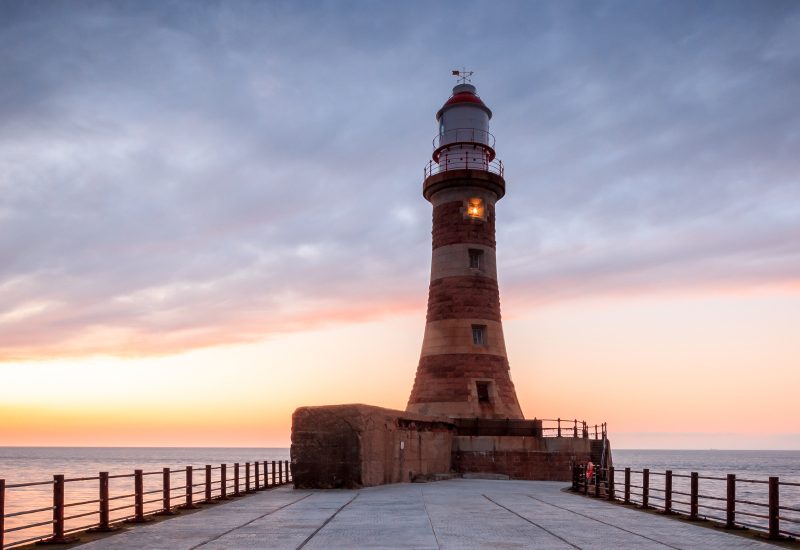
(475, 258)
(482, 389)
(475, 208)
(479, 335)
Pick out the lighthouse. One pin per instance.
(463, 416)
(463, 370)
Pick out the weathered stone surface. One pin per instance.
(450, 181)
(448, 383)
(346, 446)
(519, 457)
(463, 298)
(463, 370)
(455, 336)
(450, 226)
(359, 445)
(453, 261)
(459, 514)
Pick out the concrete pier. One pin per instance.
(458, 514)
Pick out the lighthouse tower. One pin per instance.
(463, 372)
(463, 369)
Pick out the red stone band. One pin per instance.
(464, 298)
(446, 377)
(451, 227)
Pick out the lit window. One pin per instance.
(475, 208)
(479, 335)
(483, 391)
(475, 258)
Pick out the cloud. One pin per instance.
(183, 174)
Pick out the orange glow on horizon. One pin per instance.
(650, 365)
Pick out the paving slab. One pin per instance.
(452, 514)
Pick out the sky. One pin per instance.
(211, 213)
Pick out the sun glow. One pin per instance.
(624, 361)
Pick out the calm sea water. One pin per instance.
(752, 469)
(27, 464)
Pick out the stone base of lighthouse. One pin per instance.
(351, 446)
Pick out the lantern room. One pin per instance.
(464, 140)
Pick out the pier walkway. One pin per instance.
(458, 514)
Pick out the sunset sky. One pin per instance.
(211, 213)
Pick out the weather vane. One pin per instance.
(463, 75)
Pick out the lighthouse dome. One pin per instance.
(463, 126)
(464, 95)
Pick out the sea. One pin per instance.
(33, 464)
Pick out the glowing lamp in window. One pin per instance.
(475, 208)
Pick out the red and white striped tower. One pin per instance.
(463, 368)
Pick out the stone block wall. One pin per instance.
(350, 446)
(520, 457)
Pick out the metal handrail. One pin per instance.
(279, 472)
(603, 485)
(572, 427)
(463, 160)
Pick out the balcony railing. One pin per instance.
(536, 427)
(463, 160)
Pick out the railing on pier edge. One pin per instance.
(463, 160)
(563, 427)
(247, 477)
(602, 483)
(536, 427)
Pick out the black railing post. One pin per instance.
(730, 509)
(256, 476)
(693, 498)
(208, 482)
(236, 479)
(597, 483)
(627, 486)
(668, 492)
(58, 512)
(575, 428)
(189, 503)
(165, 492)
(645, 488)
(611, 495)
(2, 511)
(246, 477)
(288, 471)
(559, 427)
(774, 509)
(585, 430)
(266, 479)
(274, 471)
(58, 507)
(223, 481)
(104, 518)
(138, 489)
(280, 472)
(595, 432)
